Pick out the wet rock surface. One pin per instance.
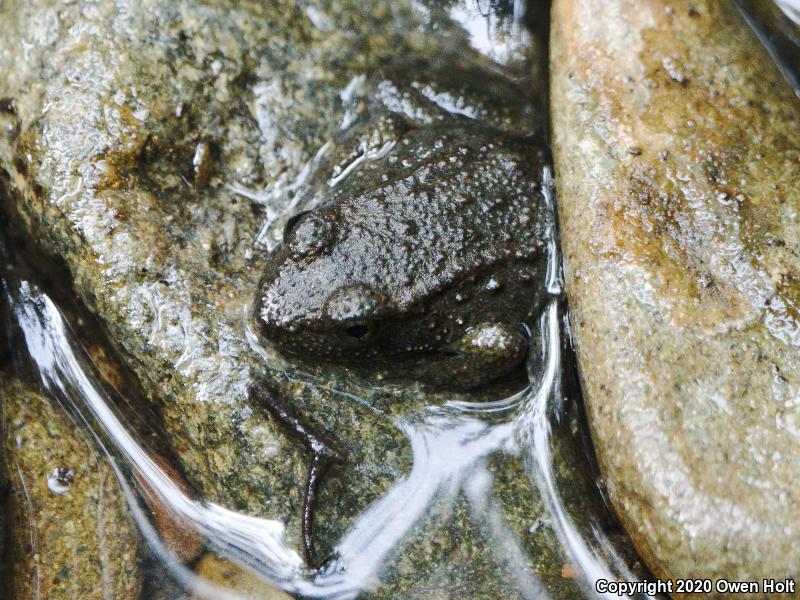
(677, 146)
(132, 134)
(71, 535)
(229, 575)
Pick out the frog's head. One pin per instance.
(318, 298)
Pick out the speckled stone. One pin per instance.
(677, 146)
(71, 536)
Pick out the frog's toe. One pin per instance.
(493, 343)
(485, 353)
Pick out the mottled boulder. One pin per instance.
(157, 148)
(677, 145)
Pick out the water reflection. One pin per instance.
(791, 8)
(494, 27)
(65, 375)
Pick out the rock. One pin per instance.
(130, 134)
(231, 576)
(168, 268)
(179, 536)
(71, 533)
(677, 146)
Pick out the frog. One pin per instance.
(425, 272)
(425, 264)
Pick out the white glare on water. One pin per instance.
(63, 373)
(791, 8)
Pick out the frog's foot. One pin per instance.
(485, 353)
(322, 456)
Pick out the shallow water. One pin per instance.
(452, 443)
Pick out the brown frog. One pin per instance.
(424, 265)
(424, 272)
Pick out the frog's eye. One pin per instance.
(292, 223)
(355, 312)
(358, 331)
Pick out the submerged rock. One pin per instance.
(677, 145)
(136, 140)
(71, 533)
(237, 579)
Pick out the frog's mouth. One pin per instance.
(447, 368)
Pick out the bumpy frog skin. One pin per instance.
(425, 265)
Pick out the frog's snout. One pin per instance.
(346, 322)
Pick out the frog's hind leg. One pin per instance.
(322, 456)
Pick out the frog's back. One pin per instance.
(453, 205)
